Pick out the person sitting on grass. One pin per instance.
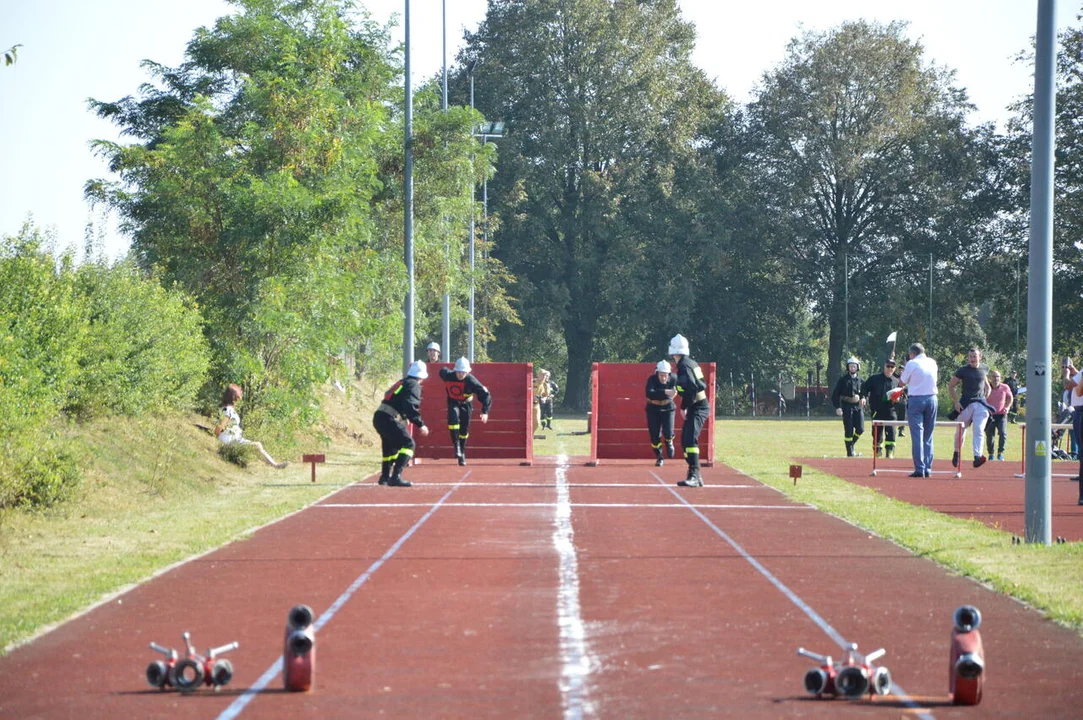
(228, 429)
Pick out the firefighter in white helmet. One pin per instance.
(402, 404)
(692, 387)
(848, 401)
(661, 389)
(432, 351)
(461, 388)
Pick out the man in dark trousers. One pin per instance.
(461, 388)
(661, 389)
(692, 387)
(877, 390)
(402, 404)
(848, 400)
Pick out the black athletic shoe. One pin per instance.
(928, 474)
(670, 451)
(399, 482)
(916, 474)
(691, 482)
(979, 460)
(462, 459)
(658, 461)
(383, 480)
(955, 459)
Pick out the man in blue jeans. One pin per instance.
(919, 379)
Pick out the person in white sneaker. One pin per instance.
(970, 404)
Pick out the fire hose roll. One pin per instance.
(966, 666)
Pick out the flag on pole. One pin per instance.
(891, 337)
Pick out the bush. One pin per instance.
(145, 349)
(236, 453)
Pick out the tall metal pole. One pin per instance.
(470, 71)
(929, 330)
(1038, 507)
(484, 216)
(408, 207)
(846, 303)
(446, 326)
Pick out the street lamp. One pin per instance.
(486, 131)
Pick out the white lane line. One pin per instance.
(575, 654)
(571, 485)
(830, 631)
(270, 673)
(680, 506)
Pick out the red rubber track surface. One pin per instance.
(990, 494)
(463, 617)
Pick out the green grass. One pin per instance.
(156, 492)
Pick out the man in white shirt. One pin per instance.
(919, 379)
(1073, 382)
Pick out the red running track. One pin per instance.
(551, 591)
(990, 494)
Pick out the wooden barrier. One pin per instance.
(507, 435)
(619, 401)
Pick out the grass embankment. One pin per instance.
(156, 492)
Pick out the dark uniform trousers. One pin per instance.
(397, 445)
(694, 422)
(660, 419)
(458, 424)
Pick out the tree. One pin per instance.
(603, 109)
(266, 181)
(1067, 201)
(866, 161)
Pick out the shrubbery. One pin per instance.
(84, 341)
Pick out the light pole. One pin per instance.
(493, 130)
(446, 326)
(470, 348)
(408, 207)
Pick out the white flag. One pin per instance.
(891, 337)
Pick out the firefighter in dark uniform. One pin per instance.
(402, 404)
(848, 400)
(661, 389)
(695, 409)
(882, 406)
(461, 388)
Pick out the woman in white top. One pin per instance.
(228, 429)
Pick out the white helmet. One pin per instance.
(417, 370)
(433, 346)
(678, 345)
(853, 361)
(462, 365)
(662, 366)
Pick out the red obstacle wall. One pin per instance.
(508, 434)
(619, 402)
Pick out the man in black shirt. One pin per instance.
(970, 404)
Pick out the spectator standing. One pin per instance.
(919, 379)
(1000, 399)
(970, 404)
(1073, 382)
(1013, 384)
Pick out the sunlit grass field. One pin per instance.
(145, 506)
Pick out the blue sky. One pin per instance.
(75, 49)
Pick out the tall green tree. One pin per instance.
(603, 108)
(1067, 201)
(868, 164)
(266, 181)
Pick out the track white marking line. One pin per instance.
(269, 674)
(679, 506)
(575, 655)
(830, 631)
